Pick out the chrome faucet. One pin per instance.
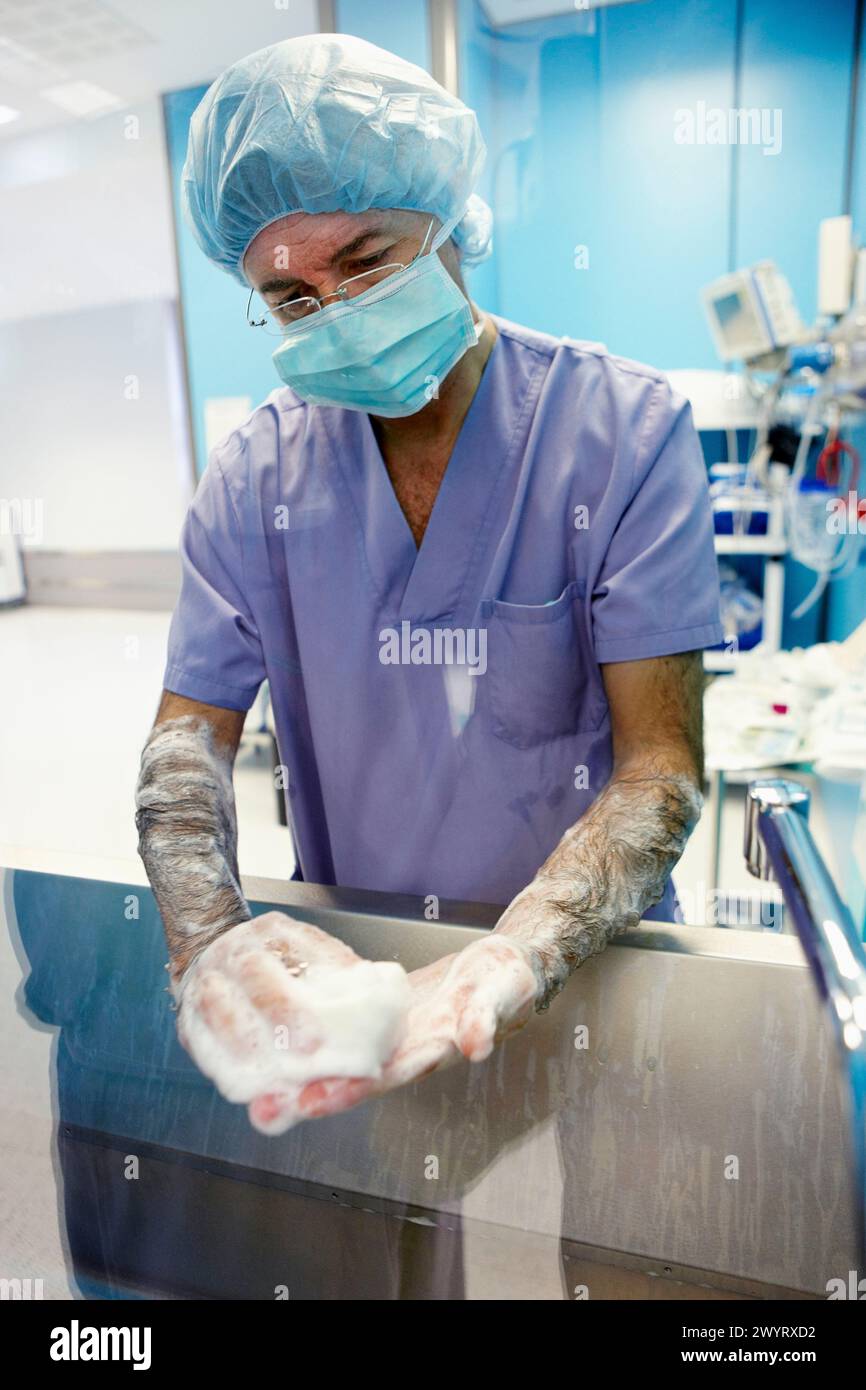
(778, 844)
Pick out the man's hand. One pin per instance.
(461, 1005)
(273, 1003)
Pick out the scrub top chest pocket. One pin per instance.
(542, 679)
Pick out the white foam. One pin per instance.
(342, 1021)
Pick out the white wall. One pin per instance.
(94, 430)
(93, 433)
(85, 216)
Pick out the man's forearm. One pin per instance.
(604, 873)
(188, 836)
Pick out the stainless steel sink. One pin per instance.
(674, 1126)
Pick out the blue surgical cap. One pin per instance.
(329, 123)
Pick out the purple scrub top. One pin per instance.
(440, 711)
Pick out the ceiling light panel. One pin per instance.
(47, 34)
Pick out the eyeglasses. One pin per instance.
(277, 321)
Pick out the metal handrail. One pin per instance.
(778, 844)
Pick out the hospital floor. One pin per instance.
(78, 696)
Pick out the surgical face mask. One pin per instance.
(388, 350)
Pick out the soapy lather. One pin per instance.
(274, 1004)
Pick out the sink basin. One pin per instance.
(673, 1127)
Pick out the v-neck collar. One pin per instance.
(428, 583)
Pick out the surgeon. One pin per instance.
(474, 563)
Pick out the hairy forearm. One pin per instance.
(604, 873)
(185, 815)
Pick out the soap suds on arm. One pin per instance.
(605, 872)
(187, 827)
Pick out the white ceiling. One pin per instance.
(131, 50)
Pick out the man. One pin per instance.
(475, 564)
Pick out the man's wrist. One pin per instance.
(530, 922)
(185, 957)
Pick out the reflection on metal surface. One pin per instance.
(669, 1128)
(772, 793)
(778, 843)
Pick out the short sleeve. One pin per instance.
(657, 591)
(214, 649)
